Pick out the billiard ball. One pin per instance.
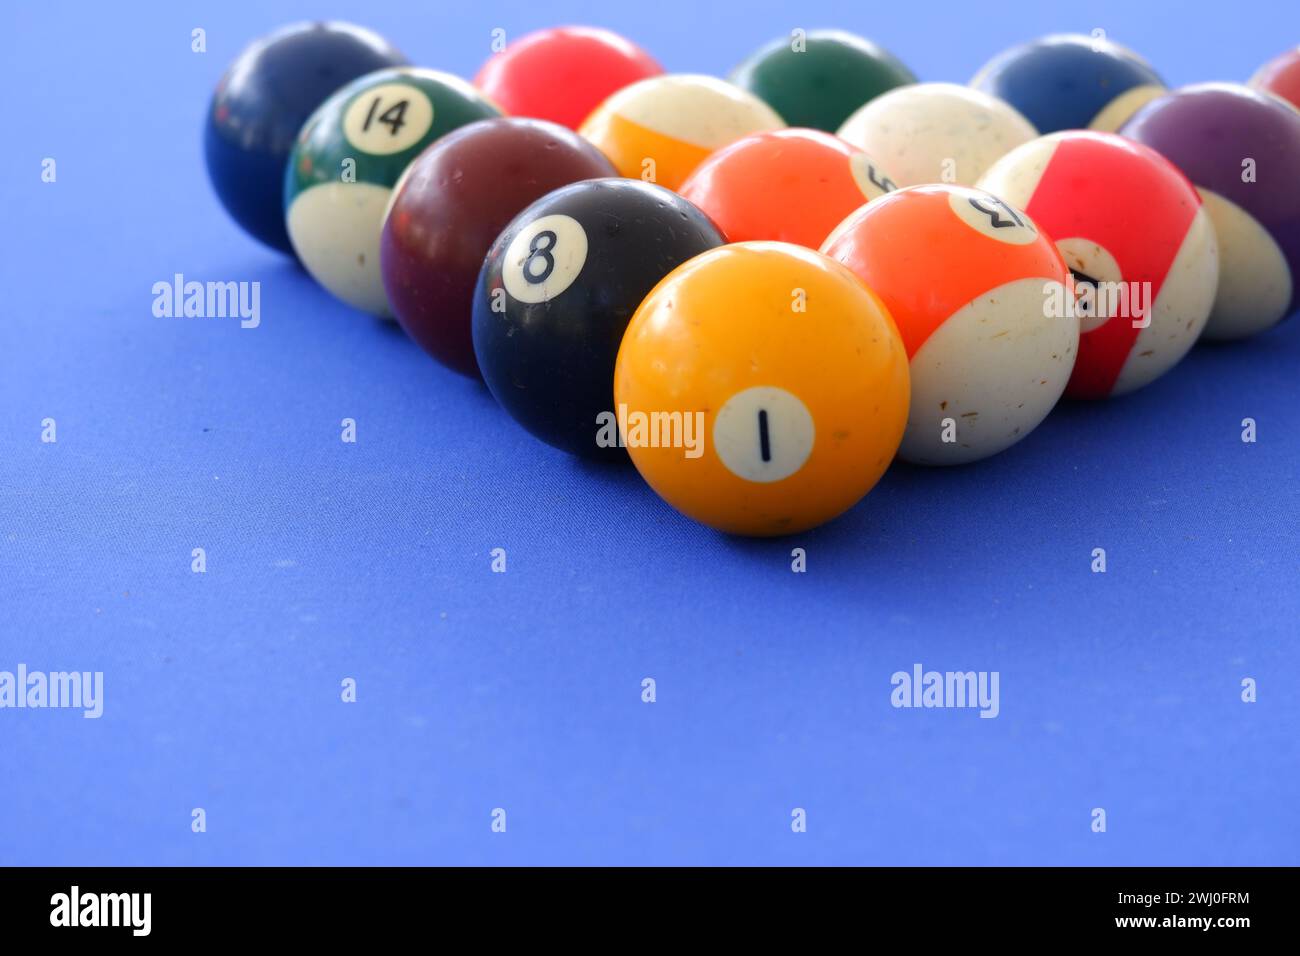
(448, 208)
(563, 74)
(818, 78)
(937, 132)
(1134, 233)
(1241, 149)
(978, 294)
(763, 388)
(1070, 81)
(792, 185)
(661, 128)
(349, 155)
(557, 291)
(260, 105)
(1281, 76)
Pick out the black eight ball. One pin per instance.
(557, 291)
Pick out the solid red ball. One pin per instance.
(564, 73)
(1281, 76)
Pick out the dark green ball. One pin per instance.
(820, 85)
(348, 159)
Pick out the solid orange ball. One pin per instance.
(761, 388)
(791, 185)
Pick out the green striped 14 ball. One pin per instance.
(347, 162)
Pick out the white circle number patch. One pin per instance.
(763, 434)
(869, 178)
(992, 217)
(544, 258)
(388, 119)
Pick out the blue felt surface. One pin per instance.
(523, 690)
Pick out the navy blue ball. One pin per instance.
(1067, 81)
(261, 104)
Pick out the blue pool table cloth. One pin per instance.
(522, 691)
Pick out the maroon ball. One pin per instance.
(452, 203)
